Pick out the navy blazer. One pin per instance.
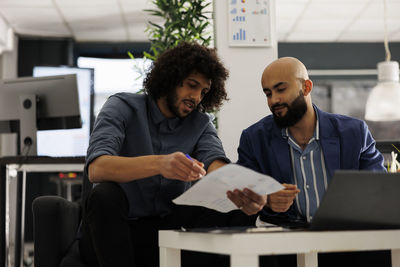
(346, 143)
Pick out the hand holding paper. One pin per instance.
(247, 200)
(211, 190)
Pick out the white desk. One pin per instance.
(244, 248)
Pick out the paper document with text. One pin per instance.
(211, 190)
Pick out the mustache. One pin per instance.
(191, 101)
(279, 106)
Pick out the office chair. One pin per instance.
(55, 224)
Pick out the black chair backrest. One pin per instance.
(55, 222)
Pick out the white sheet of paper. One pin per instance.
(211, 190)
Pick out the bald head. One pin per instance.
(288, 67)
(285, 82)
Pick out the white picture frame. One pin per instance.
(249, 23)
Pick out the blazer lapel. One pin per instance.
(330, 143)
(280, 147)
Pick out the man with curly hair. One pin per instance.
(147, 149)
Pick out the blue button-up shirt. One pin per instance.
(309, 173)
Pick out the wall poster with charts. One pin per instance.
(249, 22)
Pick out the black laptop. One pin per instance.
(358, 200)
(354, 200)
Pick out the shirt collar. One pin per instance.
(158, 117)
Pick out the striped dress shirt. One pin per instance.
(309, 173)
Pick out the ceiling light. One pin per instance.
(383, 102)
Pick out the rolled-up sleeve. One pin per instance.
(209, 147)
(108, 132)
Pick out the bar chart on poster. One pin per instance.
(249, 22)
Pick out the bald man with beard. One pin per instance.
(301, 147)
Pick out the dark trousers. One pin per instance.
(108, 238)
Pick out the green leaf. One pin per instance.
(183, 20)
(130, 55)
(396, 148)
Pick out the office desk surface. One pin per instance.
(40, 160)
(244, 248)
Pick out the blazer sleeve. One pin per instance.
(246, 153)
(370, 157)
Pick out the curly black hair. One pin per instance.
(176, 64)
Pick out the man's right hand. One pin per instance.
(178, 166)
(282, 200)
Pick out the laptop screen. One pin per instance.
(360, 200)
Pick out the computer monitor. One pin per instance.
(74, 141)
(39, 103)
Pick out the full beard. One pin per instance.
(295, 112)
(173, 105)
(172, 102)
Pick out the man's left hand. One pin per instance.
(247, 200)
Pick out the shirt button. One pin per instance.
(304, 157)
(307, 186)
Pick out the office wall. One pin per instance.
(8, 61)
(339, 55)
(110, 50)
(65, 51)
(43, 52)
(247, 102)
(8, 53)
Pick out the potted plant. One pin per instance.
(184, 20)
